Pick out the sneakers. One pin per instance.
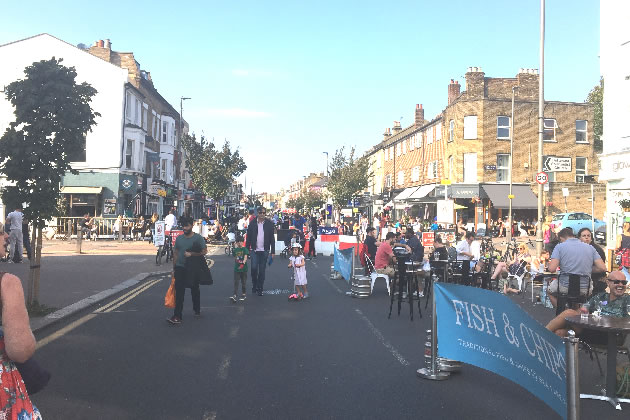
(259, 293)
(421, 294)
(197, 314)
(175, 320)
(243, 297)
(233, 298)
(305, 296)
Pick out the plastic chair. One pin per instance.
(374, 275)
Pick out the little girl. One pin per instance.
(299, 268)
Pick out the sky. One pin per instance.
(286, 81)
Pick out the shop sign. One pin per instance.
(161, 192)
(428, 238)
(490, 167)
(556, 164)
(462, 191)
(615, 166)
(109, 206)
(445, 212)
(127, 183)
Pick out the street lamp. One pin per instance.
(326, 153)
(181, 129)
(541, 129)
(508, 231)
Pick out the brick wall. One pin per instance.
(578, 199)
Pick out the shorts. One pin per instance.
(563, 286)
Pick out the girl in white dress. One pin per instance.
(299, 268)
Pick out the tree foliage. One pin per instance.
(212, 169)
(596, 97)
(52, 118)
(349, 176)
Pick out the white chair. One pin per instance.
(374, 275)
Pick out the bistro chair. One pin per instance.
(573, 295)
(374, 275)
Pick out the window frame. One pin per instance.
(129, 154)
(400, 178)
(585, 131)
(503, 127)
(503, 168)
(415, 174)
(554, 128)
(451, 131)
(388, 181)
(164, 137)
(585, 170)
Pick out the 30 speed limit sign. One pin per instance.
(542, 177)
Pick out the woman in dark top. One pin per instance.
(599, 279)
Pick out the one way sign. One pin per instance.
(556, 164)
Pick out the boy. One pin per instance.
(240, 254)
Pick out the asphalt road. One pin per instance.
(330, 356)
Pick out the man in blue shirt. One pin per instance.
(298, 222)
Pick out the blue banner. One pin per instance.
(328, 230)
(486, 329)
(343, 262)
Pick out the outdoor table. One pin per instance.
(545, 275)
(612, 326)
(402, 257)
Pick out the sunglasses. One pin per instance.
(621, 282)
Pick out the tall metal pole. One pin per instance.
(573, 377)
(511, 196)
(541, 112)
(181, 131)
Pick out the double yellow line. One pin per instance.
(116, 303)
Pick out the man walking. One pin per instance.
(14, 219)
(183, 278)
(260, 241)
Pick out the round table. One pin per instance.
(612, 326)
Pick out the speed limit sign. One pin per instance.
(542, 177)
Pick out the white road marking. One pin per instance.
(234, 331)
(224, 367)
(133, 260)
(276, 292)
(209, 415)
(382, 339)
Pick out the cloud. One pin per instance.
(236, 113)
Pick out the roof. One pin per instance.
(524, 197)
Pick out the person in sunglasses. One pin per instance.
(613, 304)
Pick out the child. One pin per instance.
(298, 263)
(240, 267)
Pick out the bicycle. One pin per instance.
(229, 248)
(165, 250)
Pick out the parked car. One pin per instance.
(600, 235)
(576, 221)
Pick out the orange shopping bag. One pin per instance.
(169, 299)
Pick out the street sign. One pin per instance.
(556, 164)
(445, 182)
(542, 178)
(565, 192)
(158, 238)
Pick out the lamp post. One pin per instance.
(326, 204)
(508, 231)
(326, 153)
(181, 129)
(541, 113)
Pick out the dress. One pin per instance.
(15, 403)
(300, 272)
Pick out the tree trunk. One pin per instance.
(33, 275)
(38, 261)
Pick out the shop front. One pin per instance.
(615, 169)
(497, 202)
(83, 200)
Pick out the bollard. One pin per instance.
(573, 377)
(433, 373)
(79, 238)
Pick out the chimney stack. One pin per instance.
(453, 91)
(419, 120)
(397, 128)
(475, 83)
(387, 134)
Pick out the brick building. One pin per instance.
(468, 144)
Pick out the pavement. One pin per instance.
(330, 356)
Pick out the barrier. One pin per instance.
(486, 329)
(344, 262)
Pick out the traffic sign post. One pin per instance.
(542, 178)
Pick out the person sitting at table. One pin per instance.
(371, 244)
(505, 285)
(385, 259)
(614, 304)
(138, 228)
(573, 256)
(417, 250)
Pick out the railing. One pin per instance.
(66, 227)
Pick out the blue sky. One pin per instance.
(287, 80)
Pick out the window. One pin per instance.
(128, 106)
(129, 154)
(451, 130)
(432, 169)
(438, 132)
(580, 169)
(137, 114)
(391, 152)
(549, 131)
(164, 131)
(503, 127)
(503, 167)
(145, 117)
(398, 149)
(388, 181)
(470, 168)
(470, 127)
(418, 140)
(451, 167)
(415, 174)
(430, 135)
(163, 171)
(173, 134)
(404, 147)
(401, 178)
(580, 131)
(412, 141)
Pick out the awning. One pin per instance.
(81, 190)
(405, 194)
(524, 197)
(390, 204)
(422, 192)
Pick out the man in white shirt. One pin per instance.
(464, 253)
(170, 221)
(14, 219)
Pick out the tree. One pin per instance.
(596, 97)
(313, 199)
(52, 118)
(212, 170)
(349, 176)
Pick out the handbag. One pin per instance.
(35, 377)
(199, 263)
(169, 299)
(205, 279)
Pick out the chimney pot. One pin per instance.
(100, 43)
(108, 44)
